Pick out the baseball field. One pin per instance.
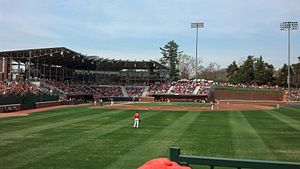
(87, 137)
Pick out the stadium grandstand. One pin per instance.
(63, 64)
(75, 76)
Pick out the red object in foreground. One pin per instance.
(162, 163)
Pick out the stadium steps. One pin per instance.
(196, 90)
(45, 86)
(146, 89)
(171, 88)
(124, 91)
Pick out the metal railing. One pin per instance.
(229, 162)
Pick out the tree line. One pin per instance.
(252, 70)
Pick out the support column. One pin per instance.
(50, 73)
(29, 67)
(63, 73)
(10, 69)
(56, 72)
(44, 70)
(19, 71)
(3, 65)
(37, 68)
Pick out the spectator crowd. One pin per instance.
(81, 88)
(17, 89)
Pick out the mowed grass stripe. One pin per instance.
(35, 155)
(35, 119)
(246, 142)
(52, 140)
(88, 147)
(42, 114)
(208, 135)
(157, 145)
(47, 136)
(291, 111)
(107, 148)
(177, 104)
(282, 139)
(289, 121)
(49, 124)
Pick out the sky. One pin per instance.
(136, 29)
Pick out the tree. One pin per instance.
(269, 74)
(222, 75)
(296, 72)
(170, 58)
(246, 71)
(263, 72)
(252, 71)
(211, 71)
(282, 76)
(187, 66)
(233, 73)
(259, 71)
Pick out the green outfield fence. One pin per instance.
(28, 101)
(229, 162)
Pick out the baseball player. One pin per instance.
(136, 117)
(212, 106)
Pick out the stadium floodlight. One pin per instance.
(288, 26)
(197, 26)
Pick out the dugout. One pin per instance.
(81, 98)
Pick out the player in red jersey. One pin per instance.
(136, 117)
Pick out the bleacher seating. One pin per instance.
(135, 91)
(17, 89)
(186, 87)
(158, 88)
(107, 91)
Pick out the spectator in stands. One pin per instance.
(18, 89)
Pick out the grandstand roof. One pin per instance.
(63, 56)
(56, 56)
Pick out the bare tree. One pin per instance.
(187, 66)
(211, 72)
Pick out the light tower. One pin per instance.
(197, 26)
(289, 26)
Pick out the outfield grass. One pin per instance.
(177, 104)
(88, 138)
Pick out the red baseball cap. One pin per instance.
(162, 163)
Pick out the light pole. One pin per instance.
(197, 26)
(288, 26)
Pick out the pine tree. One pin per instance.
(232, 73)
(170, 58)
